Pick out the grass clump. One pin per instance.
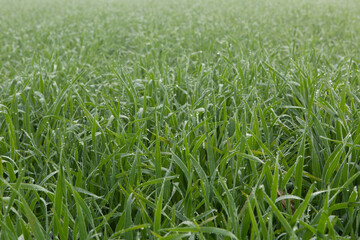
(179, 120)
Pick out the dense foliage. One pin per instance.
(203, 119)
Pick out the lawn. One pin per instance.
(179, 119)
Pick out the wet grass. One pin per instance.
(179, 119)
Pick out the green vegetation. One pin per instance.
(203, 119)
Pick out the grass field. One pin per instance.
(203, 119)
